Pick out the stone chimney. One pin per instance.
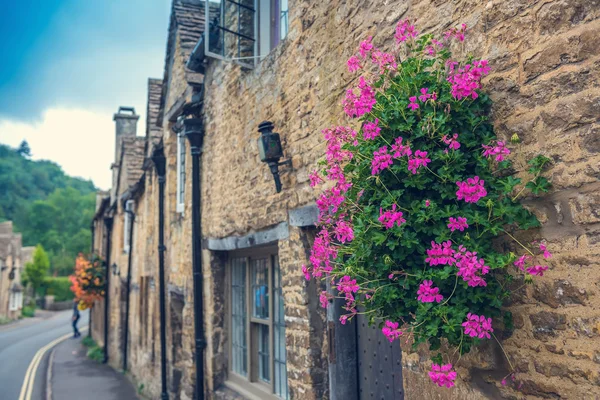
(126, 126)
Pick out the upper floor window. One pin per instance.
(180, 172)
(245, 30)
(127, 225)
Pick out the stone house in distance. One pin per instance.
(238, 319)
(13, 258)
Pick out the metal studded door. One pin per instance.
(379, 364)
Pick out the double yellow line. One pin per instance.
(27, 387)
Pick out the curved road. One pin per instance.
(18, 345)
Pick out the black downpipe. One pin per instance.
(158, 157)
(128, 289)
(93, 229)
(108, 222)
(195, 134)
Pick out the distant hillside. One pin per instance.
(46, 205)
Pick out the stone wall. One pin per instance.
(544, 83)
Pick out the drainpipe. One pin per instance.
(128, 292)
(158, 157)
(194, 131)
(92, 228)
(108, 222)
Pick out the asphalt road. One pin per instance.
(18, 345)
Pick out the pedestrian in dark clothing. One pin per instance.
(75, 319)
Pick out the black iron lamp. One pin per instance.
(115, 269)
(270, 151)
(11, 274)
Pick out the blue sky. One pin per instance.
(67, 65)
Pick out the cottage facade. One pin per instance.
(264, 334)
(12, 263)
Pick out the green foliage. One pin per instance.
(88, 341)
(28, 311)
(47, 206)
(59, 287)
(95, 353)
(36, 270)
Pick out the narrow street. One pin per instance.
(19, 344)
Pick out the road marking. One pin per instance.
(27, 387)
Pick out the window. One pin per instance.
(245, 30)
(180, 172)
(257, 325)
(127, 225)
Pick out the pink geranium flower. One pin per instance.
(537, 270)
(478, 326)
(391, 217)
(471, 191)
(442, 375)
(429, 294)
(459, 223)
(391, 331)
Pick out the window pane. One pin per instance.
(283, 18)
(263, 353)
(281, 387)
(239, 349)
(260, 288)
(231, 32)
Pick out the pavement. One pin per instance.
(74, 376)
(62, 370)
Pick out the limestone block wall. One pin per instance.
(544, 82)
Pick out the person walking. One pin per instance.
(75, 318)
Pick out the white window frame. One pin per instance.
(181, 173)
(129, 204)
(250, 384)
(273, 27)
(12, 301)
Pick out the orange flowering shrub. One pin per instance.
(88, 280)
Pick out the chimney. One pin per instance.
(126, 126)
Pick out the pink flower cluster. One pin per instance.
(391, 331)
(347, 285)
(478, 326)
(400, 150)
(471, 268)
(537, 270)
(442, 375)
(371, 129)
(459, 34)
(496, 149)
(452, 142)
(440, 254)
(381, 160)
(432, 49)
(315, 179)
(545, 251)
(471, 191)
(405, 31)
(385, 61)
(459, 223)
(520, 263)
(322, 252)
(343, 232)
(324, 299)
(423, 98)
(356, 105)
(417, 161)
(429, 294)
(391, 217)
(466, 80)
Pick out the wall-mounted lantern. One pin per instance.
(115, 269)
(11, 274)
(270, 151)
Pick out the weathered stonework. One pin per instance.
(12, 263)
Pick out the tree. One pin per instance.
(36, 270)
(24, 149)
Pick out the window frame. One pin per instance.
(274, 28)
(181, 173)
(251, 385)
(129, 205)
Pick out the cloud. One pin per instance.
(81, 141)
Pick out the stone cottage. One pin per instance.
(11, 268)
(238, 318)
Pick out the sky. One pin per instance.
(65, 68)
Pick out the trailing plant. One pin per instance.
(414, 201)
(88, 282)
